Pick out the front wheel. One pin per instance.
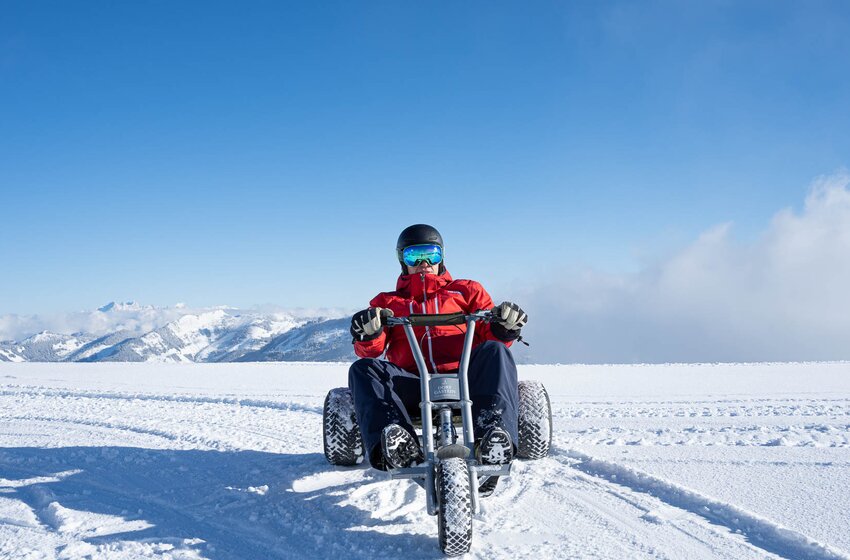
(535, 421)
(454, 514)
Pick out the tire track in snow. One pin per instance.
(223, 438)
(725, 401)
(767, 535)
(680, 520)
(582, 516)
(742, 435)
(762, 408)
(211, 444)
(16, 390)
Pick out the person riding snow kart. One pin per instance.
(385, 392)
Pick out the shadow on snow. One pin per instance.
(214, 496)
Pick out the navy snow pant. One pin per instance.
(386, 394)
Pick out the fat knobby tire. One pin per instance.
(454, 516)
(343, 442)
(535, 421)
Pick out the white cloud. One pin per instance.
(784, 296)
(136, 319)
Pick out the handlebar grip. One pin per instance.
(434, 320)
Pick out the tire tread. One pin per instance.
(535, 421)
(343, 443)
(454, 516)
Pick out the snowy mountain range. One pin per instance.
(129, 332)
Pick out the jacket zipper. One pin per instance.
(427, 329)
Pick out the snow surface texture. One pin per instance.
(187, 461)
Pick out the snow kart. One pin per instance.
(450, 475)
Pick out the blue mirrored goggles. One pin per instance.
(415, 254)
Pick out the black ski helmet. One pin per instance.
(418, 234)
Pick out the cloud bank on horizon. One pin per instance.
(125, 316)
(784, 296)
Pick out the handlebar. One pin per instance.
(433, 320)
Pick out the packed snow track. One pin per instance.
(221, 461)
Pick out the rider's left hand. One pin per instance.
(510, 316)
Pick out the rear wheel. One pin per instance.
(535, 421)
(343, 442)
(454, 514)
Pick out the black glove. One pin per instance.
(367, 325)
(508, 319)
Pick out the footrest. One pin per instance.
(419, 471)
(492, 470)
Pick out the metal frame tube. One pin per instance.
(445, 426)
(466, 411)
(424, 392)
(466, 404)
(427, 428)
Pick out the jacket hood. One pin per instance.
(422, 286)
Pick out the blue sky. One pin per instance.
(270, 152)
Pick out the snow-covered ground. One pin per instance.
(225, 461)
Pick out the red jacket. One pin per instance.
(428, 293)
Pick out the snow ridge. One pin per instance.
(766, 534)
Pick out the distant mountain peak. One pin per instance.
(44, 335)
(127, 331)
(120, 306)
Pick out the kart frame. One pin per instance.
(443, 393)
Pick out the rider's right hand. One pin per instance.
(366, 324)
